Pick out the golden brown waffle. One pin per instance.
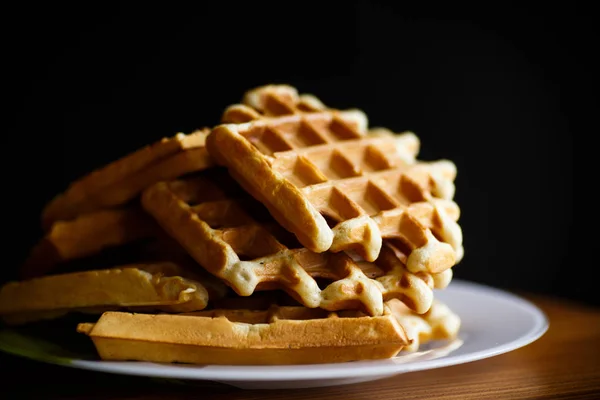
(225, 238)
(363, 186)
(281, 335)
(145, 286)
(118, 182)
(292, 146)
(86, 235)
(438, 323)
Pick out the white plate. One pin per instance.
(493, 322)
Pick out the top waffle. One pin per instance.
(335, 187)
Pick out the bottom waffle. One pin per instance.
(280, 335)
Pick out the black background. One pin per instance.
(494, 90)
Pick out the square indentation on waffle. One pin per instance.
(363, 184)
(237, 240)
(290, 132)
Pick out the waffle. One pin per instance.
(139, 287)
(87, 235)
(312, 170)
(225, 238)
(281, 335)
(361, 185)
(119, 182)
(438, 323)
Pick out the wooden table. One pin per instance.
(563, 364)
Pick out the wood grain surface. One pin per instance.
(563, 364)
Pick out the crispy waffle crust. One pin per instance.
(159, 286)
(119, 182)
(250, 254)
(87, 235)
(315, 168)
(280, 335)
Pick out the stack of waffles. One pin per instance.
(289, 233)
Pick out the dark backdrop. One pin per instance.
(494, 91)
